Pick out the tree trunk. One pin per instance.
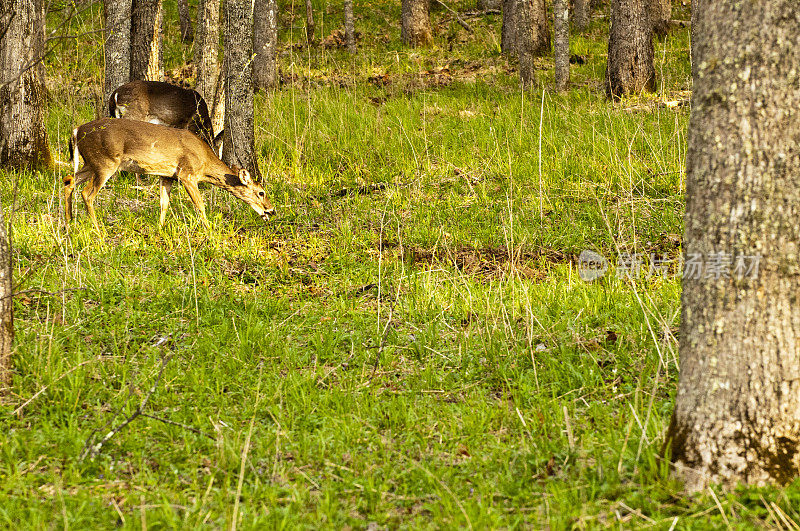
(309, 23)
(117, 45)
(185, 15)
(6, 305)
(737, 410)
(147, 18)
(206, 57)
(239, 139)
(23, 136)
(265, 42)
(508, 35)
(486, 5)
(415, 28)
(561, 47)
(533, 37)
(660, 12)
(692, 35)
(349, 27)
(580, 15)
(630, 49)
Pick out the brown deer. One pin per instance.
(108, 145)
(165, 104)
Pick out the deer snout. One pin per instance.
(268, 214)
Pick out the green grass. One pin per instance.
(424, 355)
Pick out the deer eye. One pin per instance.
(261, 194)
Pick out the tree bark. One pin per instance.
(6, 305)
(349, 27)
(580, 15)
(737, 410)
(23, 136)
(415, 28)
(265, 42)
(147, 18)
(660, 12)
(508, 34)
(117, 45)
(630, 50)
(185, 16)
(486, 5)
(206, 57)
(309, 23)
(239, 139)
(561, 47)
(533, 37)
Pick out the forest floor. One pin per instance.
(407, 344)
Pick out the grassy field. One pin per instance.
(408, 343)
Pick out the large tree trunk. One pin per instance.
(239, 139)
(533, 37)
(206, 57)
(561, 47)
(630, 49)
(508, 34)
(265, 42)
(349, 27)
(737, 410)
(660, 12)
(117, 45)
(415, 24)
(6, 305)
(309, 23)
(147, 18)
(185, 16)
(23, 136)
(580, 14)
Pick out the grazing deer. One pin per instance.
(108, 145)
(165, 104)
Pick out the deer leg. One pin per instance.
(164, 190)
(194, 195)
(90, 191)
(69, 188)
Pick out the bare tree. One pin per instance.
(489, 5)
(146, 42)
(309, 23)
(23, 136)
(508, 35)
(185, 16)
(630, 49)
(561, 47)
(580, 14)
(206, 57)
(533, 37)
(349, 27)
(239, 140)
(117, 44)
(660, 12)
(6, 305)
(415, 23)
(737, 410)
(265, 42)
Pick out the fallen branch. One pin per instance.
(361, 190)
(458, 17)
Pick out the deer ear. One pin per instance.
(244, 176)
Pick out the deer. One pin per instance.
(109, 144)
(162, 103)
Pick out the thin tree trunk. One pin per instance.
(580, 15)
(630, 50)
(508, 35)
(117, 45)
(206, 57)
(239, 140)
(486, 5)
(660, 12)
(6, 305)
(533, 38)
(23, 136)
(309, 23)
(265, 42)
(561, 48)
(349, 27)
(185, 16)
(415, 23)
(737, 410)
(146, 42)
